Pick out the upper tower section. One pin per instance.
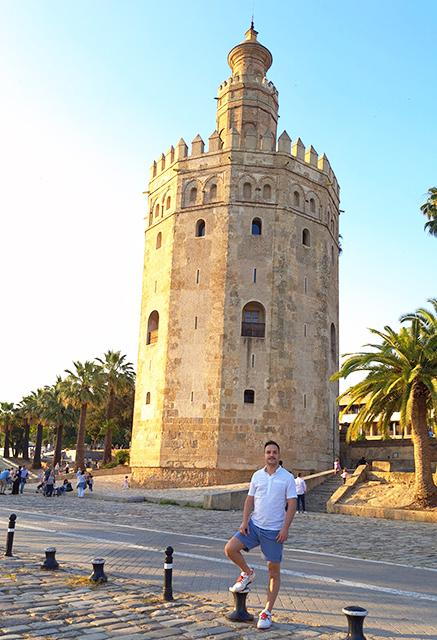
(248, 102)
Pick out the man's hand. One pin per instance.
(244, 527)
(283, 534)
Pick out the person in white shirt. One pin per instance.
(301, 488)
(268, 512)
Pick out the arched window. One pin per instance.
(148, 397)
(306, 237)
(193, 194)
(333, 341)
(200, 228)
(312, 205)
(296, 199)
(247, 191)
(253, 320)
(249, 396)
(213, 192)
(267, 192)
(158, 240)
(168, 203)
(256, 227)
(157, 211)
(152, 328)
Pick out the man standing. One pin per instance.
(272, 502)
(23, 477)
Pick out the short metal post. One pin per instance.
(50, 563)
(240, 613)
(10, 535)
(98, 574)
(355, 619)
(167, 593)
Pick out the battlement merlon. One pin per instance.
(234, 142)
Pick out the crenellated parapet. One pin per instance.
(292, 153)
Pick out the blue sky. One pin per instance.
(94, 91)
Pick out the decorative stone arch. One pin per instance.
(192, 193)
(312, 204)
(297, 197)
(246, 189)
(213, 190)
(152, 328)
(267, 190)
(253, 320)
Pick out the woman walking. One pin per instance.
(81, 483)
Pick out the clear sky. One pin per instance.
(94, 91)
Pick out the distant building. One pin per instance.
(239, 318)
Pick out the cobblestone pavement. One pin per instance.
(404, 543)
(375, 539)
(63, 604)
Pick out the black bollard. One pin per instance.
(355, 619)
(98, 574)
(240, 613)
(10, 535)
(50, 563)
(167, 593)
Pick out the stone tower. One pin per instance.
(239, 318)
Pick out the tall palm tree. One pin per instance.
(82, 387)
(23, 417)
(429, 209)
(402, 376)
(7, 418)
(58, 412)
(120, 378)
(33, 408)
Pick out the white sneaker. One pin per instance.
(265, 620)
(243, 582)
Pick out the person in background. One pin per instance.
(301, 488)
(125, 483)
(337, 467)
(345, 475)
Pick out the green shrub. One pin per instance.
(122, 456)
(110, 465)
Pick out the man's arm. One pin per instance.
(248, 508)
(283, 534)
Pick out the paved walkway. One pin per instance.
(410, 544)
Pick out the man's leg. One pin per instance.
(233, 550)
(274, 584)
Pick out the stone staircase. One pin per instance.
(317, 498)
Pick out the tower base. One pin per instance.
(165, 478)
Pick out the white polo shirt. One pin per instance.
(271, 493)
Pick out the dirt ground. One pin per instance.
(382, 494)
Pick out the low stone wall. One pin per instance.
(381, 512)
(234, 500)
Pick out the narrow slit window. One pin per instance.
(253, 360)
(192, 396)
(304, 400)
(156, 284)
(254, 275)
(197, 276)
(305, 285)
(195, 322)
(148, 397)
(304, 331)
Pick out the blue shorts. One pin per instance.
(271, 549)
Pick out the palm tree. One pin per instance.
(23, 417)
(120, 378)
(429, 209)
(7, 418)
(402, 376)
(58, 412)
(32, 406)
(83, 387)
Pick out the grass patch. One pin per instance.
(193, 506)
(169, 502)
(82, 581)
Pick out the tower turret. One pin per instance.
(248, 102)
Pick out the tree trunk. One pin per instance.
(36, 464)
(26, 427)
(79, 463)
(58, 445)
(7, 445)
(425, 491)
(107, 454)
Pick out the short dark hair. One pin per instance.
(273, 443)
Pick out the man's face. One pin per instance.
(271, 455)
